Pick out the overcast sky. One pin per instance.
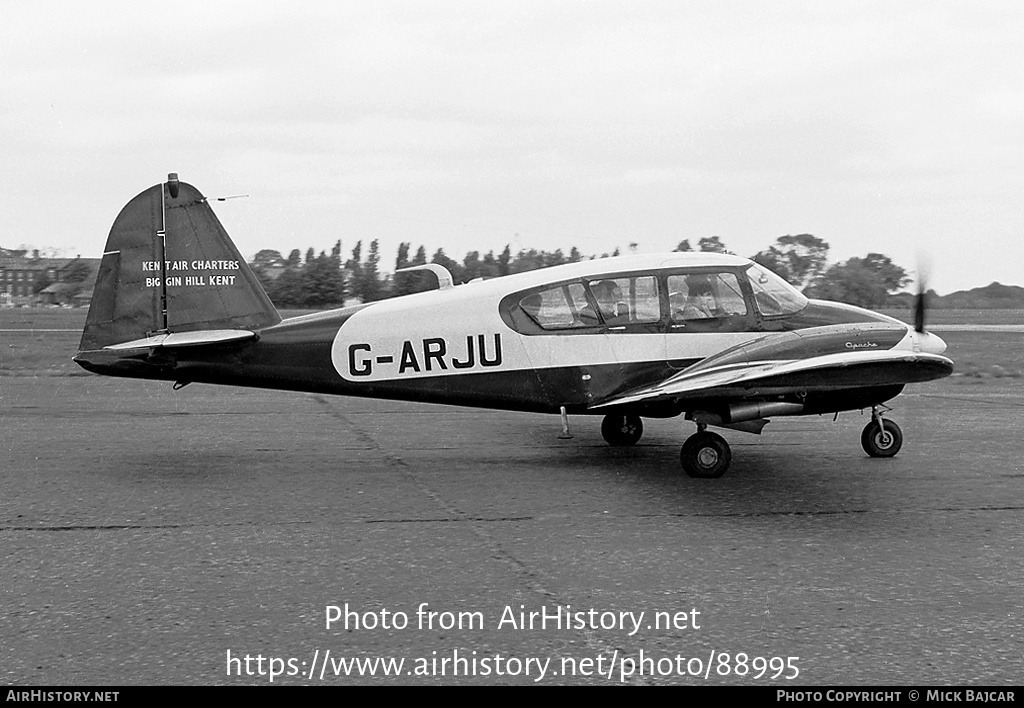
(893, 127)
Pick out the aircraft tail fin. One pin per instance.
(168, 267)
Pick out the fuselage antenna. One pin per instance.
(444, 278)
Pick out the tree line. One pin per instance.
(326, 280)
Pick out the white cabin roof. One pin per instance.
(602, 266)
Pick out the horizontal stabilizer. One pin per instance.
(187, 339)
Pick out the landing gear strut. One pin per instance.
(622, 430)
(881, 437)
(705, 455)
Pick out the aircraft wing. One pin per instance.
(826, 372)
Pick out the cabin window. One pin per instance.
(562, 307)
(705, 296)
(627, 300)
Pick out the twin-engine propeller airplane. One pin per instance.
(716, 338)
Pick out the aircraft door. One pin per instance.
(632, 326)
(708, 311)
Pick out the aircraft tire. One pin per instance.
(622, 430)
(705, 455)
(879, 443)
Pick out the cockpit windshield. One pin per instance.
(773, 295)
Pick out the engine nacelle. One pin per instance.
(739, 412)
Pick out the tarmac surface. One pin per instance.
(158, 537)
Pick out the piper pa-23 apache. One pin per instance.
(715, 338)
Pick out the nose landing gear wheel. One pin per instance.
(705, 455)
(622, 430)
(881, 440)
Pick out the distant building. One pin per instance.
(27, 280)
(61, 294)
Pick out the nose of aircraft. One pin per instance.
(929, 343)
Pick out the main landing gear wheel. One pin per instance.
(705, 455)
(881, 438)
(622, 430)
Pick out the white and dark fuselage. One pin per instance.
(476, 345)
